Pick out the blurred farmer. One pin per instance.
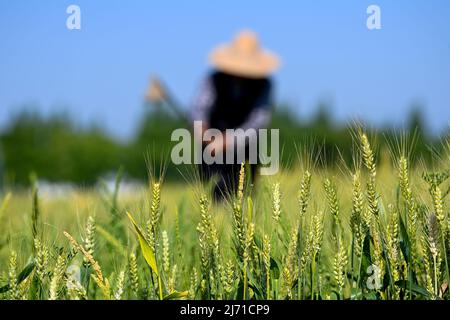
(235, 95)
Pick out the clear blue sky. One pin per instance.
(100, 73)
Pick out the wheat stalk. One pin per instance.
(266, 260)
(393, 247)
(411, 207)
(290, 271)
(165, 252)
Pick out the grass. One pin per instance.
(379, 229)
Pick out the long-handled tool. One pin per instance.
(158, 95)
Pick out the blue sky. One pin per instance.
(100, 73)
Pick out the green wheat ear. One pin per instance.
(276, 202)
(304, 193)
(133, 274)
(120, 284)
(57, 278)
(359, 222)
(90, 238)
(368, 156)
(13, 292)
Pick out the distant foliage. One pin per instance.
(56, 149)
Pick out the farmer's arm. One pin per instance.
(203, 103)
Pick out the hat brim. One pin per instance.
(258, 65)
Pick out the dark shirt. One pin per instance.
(229, 102)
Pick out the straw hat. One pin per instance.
(244, 57)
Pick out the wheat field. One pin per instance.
(378, 229)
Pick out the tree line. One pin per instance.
(57, 150)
